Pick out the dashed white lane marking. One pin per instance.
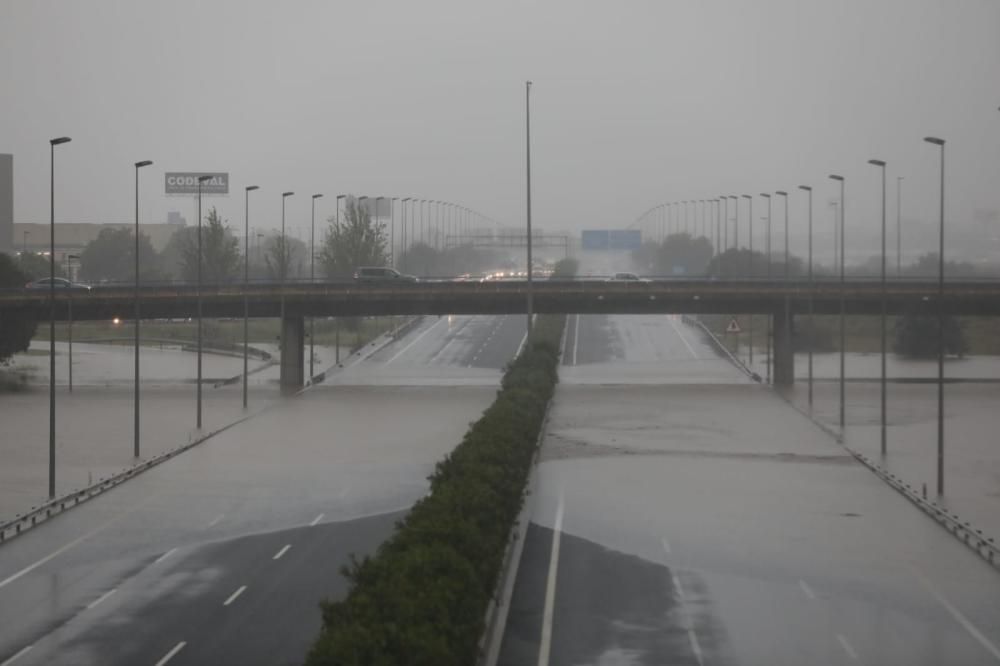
(316, 520)
(955, 613)
(806, 590)
(521, 346)
(415, 341)
(683, 339)
(666, 545)
(576, 337)
(695, 646)
(282, 552)
(101, 598)
(165, 556)
(170, 655)
(677, 586)
(234, 595)
(20, 653)
(848, 648)
(550, 589)
(215, 521)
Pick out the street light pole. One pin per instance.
(246, 284)
(135, 440)
(201, 181)
(843, 307)
(883, 433)
(283, 265)
(52, 312)
(899, 226)
(767, 245)
(750, 327)
(809, 189)
(787, 320)
(527, 136)
(940, 304)
(312, 280)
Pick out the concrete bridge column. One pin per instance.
(784, 356)
(293, 339)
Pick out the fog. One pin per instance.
(633, 104)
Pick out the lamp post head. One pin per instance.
(341, 196)
(408, 199)
(62, 139)
(929, 139)
(781, 193)
(251, 188)
(286, 194)
(144, 163)
(204, 179)
(834, 176)
(878, 163)
(747, 196)
(765, 195)
(317, 196)
(806, 188)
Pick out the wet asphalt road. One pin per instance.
(684, 515)
(143, 573)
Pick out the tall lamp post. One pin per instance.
(787, 317)
(246, 285)
(843, 307)
(940, 304)
(52, 311)
(883, 433)
(135, 439)
(336, 321)
(70, 258)
(809, 189)
(750, 327)
(767, 249)
(201, 181)
(899, 226)
(284, 262)
(312, 279)
(527, 136)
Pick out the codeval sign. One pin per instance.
(186, 182)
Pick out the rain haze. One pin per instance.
(635, 104)
(565, 396)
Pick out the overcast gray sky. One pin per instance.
(634, 103)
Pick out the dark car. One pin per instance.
(61, 284)
(381, 274)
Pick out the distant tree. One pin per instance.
(16, 329)
(36, 266)
(111, 257)
(916, 336)
(419, 259)
(285, 256)
(221, 259)
(737, 264)
(927, 266)
(683, 254)
(354, 241)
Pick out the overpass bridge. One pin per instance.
(777, 298)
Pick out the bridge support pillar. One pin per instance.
(784, 354)
(293, 339)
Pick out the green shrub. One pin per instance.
(422, 598)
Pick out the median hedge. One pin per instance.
(422, 598)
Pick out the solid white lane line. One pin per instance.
(695, 647)
(521, 346)
(415, 341)
(563, 342)
(170, 655)
(215, 521)
(683, 339)
(847, 647)
(666, 545)
(550, 589)
(576, 337)
(282, 552)
(234, 595)
(316, 520)
(101, 598)
(955, 613)
(806, 590)
(677, 586)
(165, 556)
(20, 653)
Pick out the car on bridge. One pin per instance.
(626, 277)
(381, 274)
(61, 284)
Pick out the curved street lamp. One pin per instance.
(135, 440)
